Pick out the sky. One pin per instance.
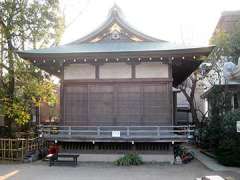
(189, 22)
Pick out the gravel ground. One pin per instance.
(106, 171)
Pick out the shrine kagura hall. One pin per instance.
(118, 84)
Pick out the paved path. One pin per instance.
(107, 171)
(211, 163)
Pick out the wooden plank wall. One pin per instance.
(122, 104)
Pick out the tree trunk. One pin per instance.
(9, 123)
(1, 56)
(11, 81)
(190, 98)
(194, 114)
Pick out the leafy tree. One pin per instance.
(220, 133)
(219, 102)
(36, 23)
(234, 42)
(228, 149)
(217, 59)
(227, 49)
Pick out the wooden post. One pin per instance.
(170, 85)
(98, 131)
(9, 149)
(69, 131)
(4, 149)
(128, 131)
(22, 149)
(1, 148)
(188, 131)
(27, 145)
(158, 131)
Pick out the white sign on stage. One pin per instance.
(115, 133)
(238, 126)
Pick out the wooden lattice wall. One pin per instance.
(15, 149)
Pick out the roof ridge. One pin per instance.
(115, 15)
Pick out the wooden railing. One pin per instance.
(15, 149)
(117, 132)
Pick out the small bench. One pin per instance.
(54, 158)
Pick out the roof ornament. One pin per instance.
(115, 10)
(115, 35)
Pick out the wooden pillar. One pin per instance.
(97, 71)
(115, 104)
(170, 95)
(142, 104)
(22, 150)
(62, 95)
(174, 107)
(133, 66)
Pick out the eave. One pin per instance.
(184, 61)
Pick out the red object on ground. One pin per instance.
(53, 149)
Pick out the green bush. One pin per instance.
(130, 159)
(212, 134)
(228, 149)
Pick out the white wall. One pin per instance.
(152, 70)
(115, 71)
(79, 71)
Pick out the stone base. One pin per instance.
(148, 158)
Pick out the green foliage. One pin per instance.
(227, 48)
(23, 87)
(221, 40)
(36, 23)
(15, 110)
(228, 150)
(130, 159)
(220, 135)
(228, 43)
(31, 89)
(211, 135)
(37, 85)
(234, 42)
(48, 23)
(219, 100)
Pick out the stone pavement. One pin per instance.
(210, 163)
(107, 171)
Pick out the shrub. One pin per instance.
(228, 150)
(212, 134)
(130, 159)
